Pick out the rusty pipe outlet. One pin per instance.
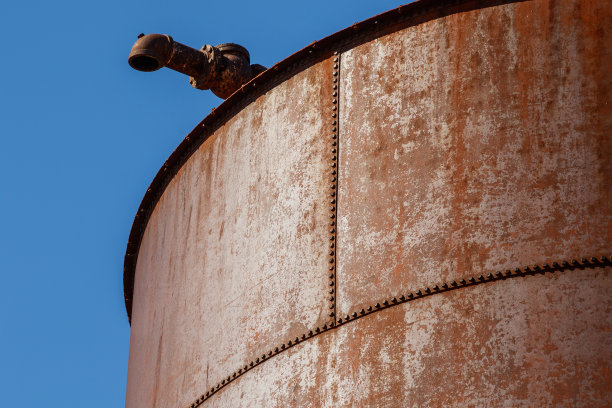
(222, 69)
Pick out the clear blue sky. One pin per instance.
(82, 136)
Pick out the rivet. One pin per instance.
(334, 123)
(394, 300)
(318, 330)
(252, 364)
(325, 326)
(333, 151)
(331, 276)
(402, 298)
(334, 136)
(332, 207)
(332, 230)
(332, 223)
(283, 346)
(257, 360)
(427, 290)
(410, 295)
(454, 283)
(333, 200)
(340, 320)
(335, 86)
(332, 216)
(499, 274)
(246, 367)
(490, 276)
(445, 285)
(555, 264)
(369, 308)
(436, 288)
(234, 375)
(331, 245)
(336, 65)
(335, 52)
(331, 299)
(310, 333)
(347, 318)
(334, 115)
(331, 268)
(334, 158)
(270, 353)
(377, 305)
(335, 94)
(290, 343)
(354, 314)
(480, 277)
(333, 165)
(331, 252)
(331, 260)
(334, 108)
(472, 279)
(332, 314)
(362, 311)
(386, 303)
(419, 293)
(331, 291)
(331, 283)
(565, 264)
(462, 281)
(222, 382)
(276, 349)
(333, 186)
(303, 337)
(334, 101)
(334, 129)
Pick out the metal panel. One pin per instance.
(234, 257)
(541, 340)
(472, 143)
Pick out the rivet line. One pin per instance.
(530, 270)
(333, 187)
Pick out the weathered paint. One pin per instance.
(234, 257)
(538, 341)
(474, 143)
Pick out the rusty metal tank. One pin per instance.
(414, 211)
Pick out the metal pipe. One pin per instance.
(222, 69)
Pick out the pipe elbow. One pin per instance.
(151, 52)
(222, 69)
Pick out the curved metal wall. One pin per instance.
(423, 218)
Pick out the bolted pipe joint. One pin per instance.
(222, 69)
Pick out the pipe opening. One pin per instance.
(144, 63)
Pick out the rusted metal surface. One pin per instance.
(234, 257)
(474, 142)
(222, 69)
(516, 342)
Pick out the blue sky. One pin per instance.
(82, 136)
